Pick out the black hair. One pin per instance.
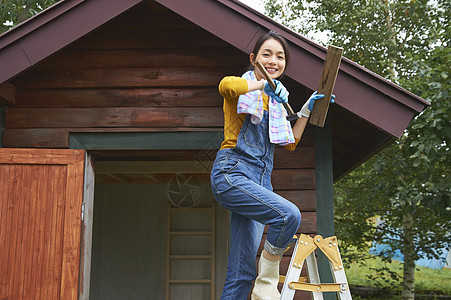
(276, 36)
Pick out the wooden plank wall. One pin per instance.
(25, 247)
(294, 178)
(147, 70)
(144, 69)
(40, 224)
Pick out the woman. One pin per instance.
(241, 174)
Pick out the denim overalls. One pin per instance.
(241, 182)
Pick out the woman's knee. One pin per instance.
(294, 216)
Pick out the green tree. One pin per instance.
(14, 12)
(406, 186)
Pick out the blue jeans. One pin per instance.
(241, 182)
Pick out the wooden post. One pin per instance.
(326, 85)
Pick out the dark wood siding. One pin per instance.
(148, 70)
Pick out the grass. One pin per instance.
(426, 280)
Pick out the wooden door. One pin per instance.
(41, 193)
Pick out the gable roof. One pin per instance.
(51, 30)
(369, 113)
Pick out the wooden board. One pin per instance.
(36, 138)
(7, 93)
(150, 39)
(326, 85)
(293, 179)
(87, 229)
(40, 225)
(301, 157)
(113, 117)
(124, 77)
(304, 199)
(140, 58)
(115, 97)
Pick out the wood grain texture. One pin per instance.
(115, 97)
(123, 77)
(36, 138)
(326, 85)
(304, 199)
(293, 179)
(40, 225)
(300, 158)
(72, 228)
(113, 117)
(7, 93)
(150, 39)
(144, 58)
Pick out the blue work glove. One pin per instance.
(308, 106)
(280, 94)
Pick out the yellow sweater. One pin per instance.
(231, 88)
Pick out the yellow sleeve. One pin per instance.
(231, 87)
(291, 147)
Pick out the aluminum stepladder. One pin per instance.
(304, 251)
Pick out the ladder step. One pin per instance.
(301, 279)
(189, 280)
(322, 287)
(183, 209)
(188, 256)
(304, 254)
(191, 233)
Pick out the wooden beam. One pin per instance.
(115, 97)
(326, 85)
(324, 194)
(36, 138)
(2, 125)
(125, 77)
(7, 93)
(206, 117)
(205, 141)
(145, 167)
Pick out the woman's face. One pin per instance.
(272, 57)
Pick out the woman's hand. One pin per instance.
(308, 106)
(280, 94)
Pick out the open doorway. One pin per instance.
(157, 233)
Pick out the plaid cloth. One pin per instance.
(280, 131)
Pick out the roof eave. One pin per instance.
(388, 106)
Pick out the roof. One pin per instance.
(370, 111)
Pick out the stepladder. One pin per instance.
(304, 254)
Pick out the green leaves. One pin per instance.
(14, 12)
(408, 42)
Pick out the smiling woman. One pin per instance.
(254, 122)
(273, 56)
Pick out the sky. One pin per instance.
(259, 5)
(255, 4)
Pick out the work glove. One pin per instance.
(308, 106)
(280, 94)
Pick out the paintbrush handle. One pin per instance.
(273, 85)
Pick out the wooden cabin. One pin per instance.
(110, 119)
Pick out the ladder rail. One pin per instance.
(293, 274)
(313, 274)
(340, 276)
(304, 251)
